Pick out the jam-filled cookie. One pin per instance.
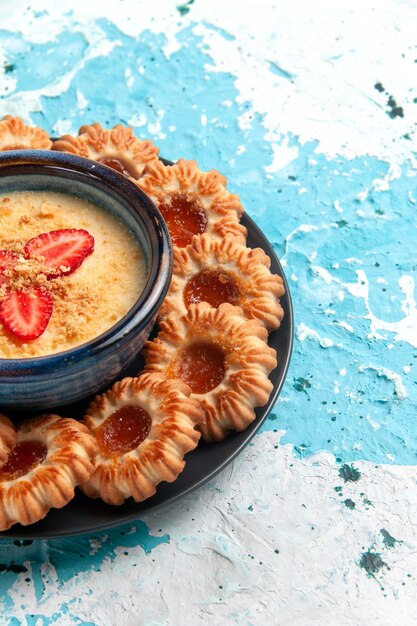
(218, 271)
(16, 135)
(143, 427)
(193, 202)
(223, 358)
(51, 457)
(117, 148)
(7, 438)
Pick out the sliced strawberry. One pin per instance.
(61, 251)
(26, 313)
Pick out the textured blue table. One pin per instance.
(309, 110)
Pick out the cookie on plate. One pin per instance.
(117, 148)
(51, 457)
(218, 271)
(143, 428)
(16, 135)
(223, 358)
(7, 438)
(193, 202)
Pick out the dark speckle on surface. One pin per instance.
(349, 504)
(184, 8)
(393, 109)
(388, 540)
(301, 384)
(349, 473)
(371, 562)
(13, 567)
(302, 449)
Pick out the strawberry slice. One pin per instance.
(61, 251)
(26, 313)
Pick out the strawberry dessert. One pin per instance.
(68, 272)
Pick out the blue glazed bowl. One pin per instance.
(69, 376)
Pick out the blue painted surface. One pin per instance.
(312, 414)
(380, 241)
(36, 64)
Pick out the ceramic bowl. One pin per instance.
(69, 376)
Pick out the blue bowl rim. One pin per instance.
(159, 271)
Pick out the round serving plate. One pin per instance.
(83, 515)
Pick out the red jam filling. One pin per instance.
(120, 166)
(213, 286)
(124, 430)
(184, 217)
(24, 457)
(201, 365)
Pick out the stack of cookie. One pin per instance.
(207, 369)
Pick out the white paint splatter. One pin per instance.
(355, 120)
(404, 329)
(399, 389)
(82, 101)
(375, 425)
(283, 154)
(322, 273)
(304, 332)
(344, 325)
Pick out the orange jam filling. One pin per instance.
(120, 166)
(124, 430)
(213, 286)
(184, 217)
(201, 365)
(22, 459)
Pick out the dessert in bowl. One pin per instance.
(85, 263)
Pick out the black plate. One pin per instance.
(83, 515)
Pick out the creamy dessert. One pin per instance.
(69, 271)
